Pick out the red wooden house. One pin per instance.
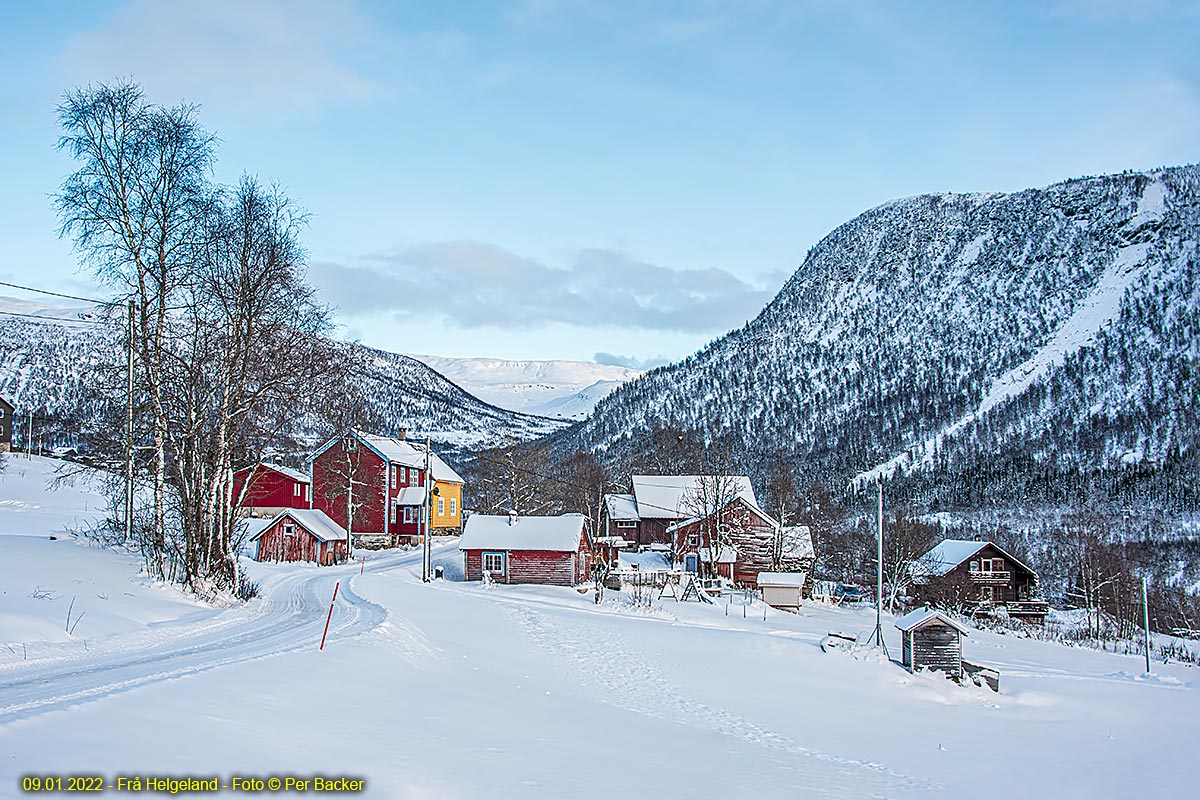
(271, 489)
(754, 543)
(512, 549)
(301, 534)
(376, 488)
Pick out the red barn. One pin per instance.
(271, 489)
(375, 487)
(512, 549)
(301, 534)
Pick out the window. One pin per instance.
(441, 507)
(493, 563)
(296, 489)
(974, 566)
(408, 514)
(289, 530)
(414, 475)
(393, 515)
(626, 523)
(453, 506)
(350, 443)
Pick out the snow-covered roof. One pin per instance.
(398, 451)
(294, 474)
(494, 532)
(645, 561)
(621, 506)
(411, 496)
(402, 451)
(923, 616)
(798, 540)
(313, 520)
(683, 523)
(670, 496)
(795, 579)
(950, 553)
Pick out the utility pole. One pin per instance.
(29, 439)
(879, 574)
(129, 430)
(1146, 622)
(426, 554)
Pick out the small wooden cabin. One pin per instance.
(302, 534)
(6, 425)
(932, 641)
(513, 549)
(781, 589)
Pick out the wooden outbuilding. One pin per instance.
(6, 425)
(302, 534)
(781, 589)
(932, 641)
(514, 549)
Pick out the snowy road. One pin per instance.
(288, 616)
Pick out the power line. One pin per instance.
(54, 319)
(59, 294)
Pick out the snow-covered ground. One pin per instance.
(559, 389)
(459, 690)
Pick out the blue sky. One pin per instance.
(558, 179)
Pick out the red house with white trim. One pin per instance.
(272, 488)
(302, 534)
(513, 549)
(376, 488)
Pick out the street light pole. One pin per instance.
(426, 552)
(1146, 622)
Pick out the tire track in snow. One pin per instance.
(288, 619)
(628, 680)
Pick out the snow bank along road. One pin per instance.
(289, 615)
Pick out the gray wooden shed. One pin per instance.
(932, 641)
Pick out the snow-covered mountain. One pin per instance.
(1035, 346)
(559, 389)
(50, 358)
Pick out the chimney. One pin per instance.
(402, 434)
(512, 517)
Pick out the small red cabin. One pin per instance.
(512, 549)
(271, 489)
(302, 534)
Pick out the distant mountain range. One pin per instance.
(48, 360)
(975, 350)
(558, 389)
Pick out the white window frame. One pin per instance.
(350, 443)
(296, 490)
(493, 556)
(408, 514)
(393, 514)
(441, 506)
(414, 476)
(289, 529)
(454, 506)
(626, 523)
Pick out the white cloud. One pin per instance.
(475, 285)
(273, 57)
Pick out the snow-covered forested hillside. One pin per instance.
(559, 389)
(983, 349)
(56, 362)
